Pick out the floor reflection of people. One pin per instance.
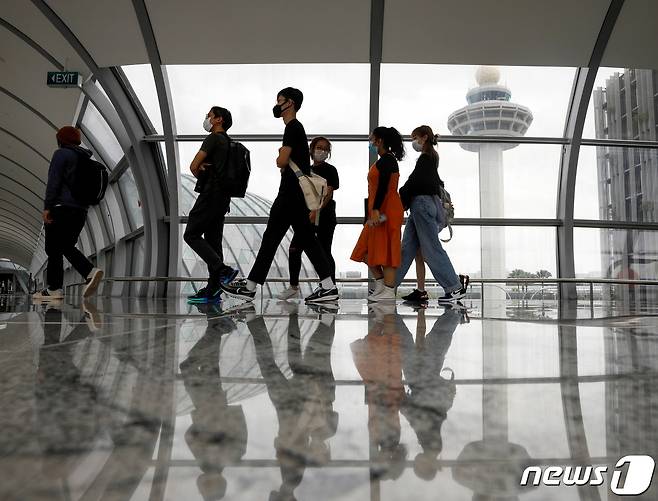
(218, 434)
(303, 403)
(68, 413)
(431, 387)
(378, 359)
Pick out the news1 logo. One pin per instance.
(631, 476)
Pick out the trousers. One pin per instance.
(427, 218)
(205, 228)
(287, 212)
(61, 237)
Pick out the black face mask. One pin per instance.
(277, 110)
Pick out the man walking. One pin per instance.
(205, 224)
(64, 217)
(289, 209)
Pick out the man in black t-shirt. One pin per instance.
(205, 223)
(289, 209)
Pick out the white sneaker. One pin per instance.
(93, 281)
(48, 295)
(379, 311)
(379, 287)
(92, 317)
(288, 293)
(387, 294)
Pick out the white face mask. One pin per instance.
(416, 145)
(207, 126)
(320, 155)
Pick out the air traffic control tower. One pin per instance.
(490, 113)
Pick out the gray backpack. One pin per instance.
(449, 210)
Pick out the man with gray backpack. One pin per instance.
(75, 181)
(290, 208)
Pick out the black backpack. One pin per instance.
(88, 180)
(234, 175)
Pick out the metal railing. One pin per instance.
(613, 281)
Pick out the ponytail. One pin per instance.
(432, 139)
(391, 139)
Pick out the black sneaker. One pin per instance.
(459, 307)
(238, 290)
(320, 295)
(423, 305)
(239, 311)
(416, 296)
(453, 296)
(328, 308)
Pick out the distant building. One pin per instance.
(626, 108)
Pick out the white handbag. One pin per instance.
(313, 186)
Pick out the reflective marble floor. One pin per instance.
(155, 399)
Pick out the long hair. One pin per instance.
(391, 139)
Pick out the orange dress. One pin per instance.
(380, 245)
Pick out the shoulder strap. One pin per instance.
(450, 232)
(298, 172)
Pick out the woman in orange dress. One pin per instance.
(379, 243)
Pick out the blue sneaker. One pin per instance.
(206, 295)
(228, 275)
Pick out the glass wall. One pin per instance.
(105, 141)
(488, 179)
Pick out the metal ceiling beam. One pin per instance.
(39, 210)
(24, 213)
(126, 124)
(28, 107)
(17, 231)
(28, 40)
(25, 143)
(13, 234)
(34, 223)
(16, 239)
(11, 178)
(580, 96)
(21, 166)
(165, 101)
(376, 46)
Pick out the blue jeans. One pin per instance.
(427, 218)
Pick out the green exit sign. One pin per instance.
(63, 79)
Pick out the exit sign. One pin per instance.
(63, 79)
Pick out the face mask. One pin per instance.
(416, 145)
(277, 110)
(207, 126)
(372, 148)
(320, 155)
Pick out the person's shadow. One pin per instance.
(303, 403)
(218, 434)
(431, 385)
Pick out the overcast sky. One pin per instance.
(336, 101)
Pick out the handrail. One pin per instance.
(617, 281)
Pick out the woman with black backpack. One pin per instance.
(420, 195)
